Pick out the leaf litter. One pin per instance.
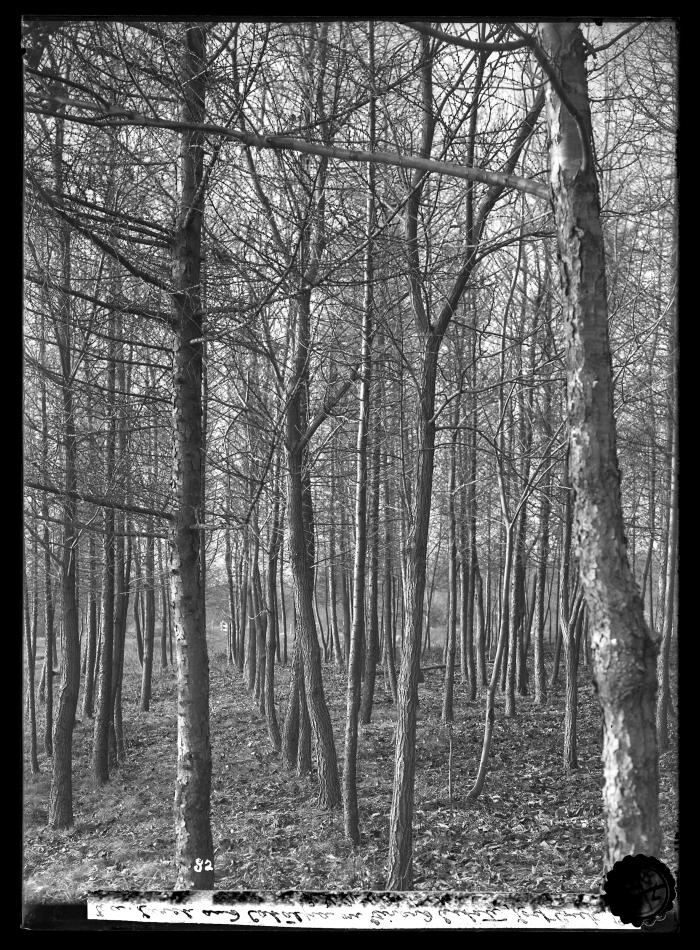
(535, 826)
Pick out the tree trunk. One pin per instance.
(290, 728)
(352, 705)
(232, 644)
(490, 718)
(31, 696)
(89, 680)
(121, 614)
(301, 557)
(401, 820)
(150, 627)
(623, 650)
(668, 616)
(273, 729)
(389, 623)
(163, 608)
(372, 650)
(194, 853)
(452, 569)
(103, 715)
(49, 608)
(61, 794)
(542, 559)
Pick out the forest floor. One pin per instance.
(535, 828)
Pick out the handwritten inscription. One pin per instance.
(466, 914)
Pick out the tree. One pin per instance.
(623, 650)
(194, 850)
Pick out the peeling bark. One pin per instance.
(623, 650)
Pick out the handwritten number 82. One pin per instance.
(201, 864)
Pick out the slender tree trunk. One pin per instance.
(88, 693)
(452, 568)
(138, 601)
(163, 608)
(556, 659)
(120, 644)
(301, 558)
(389, 627)
(243, 612)
(352, 705)
(401, 820)
(231, 600)
(567, 621)
(481, 643)
(668, 616)
(250, 666)
(150, 628)
(542, 559)
(103, 714)
(468, 581)
(283, 604)
(516, 611)
(490, 718)
(49, 609)
(372, 651)
(347, 622)
(31, 696)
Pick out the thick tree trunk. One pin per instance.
(303, 763)
(273, 729)
(194, 853)
(61, 794)
(623, 650)
(290, 728)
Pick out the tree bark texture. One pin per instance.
(623, 650)
(194, 851)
